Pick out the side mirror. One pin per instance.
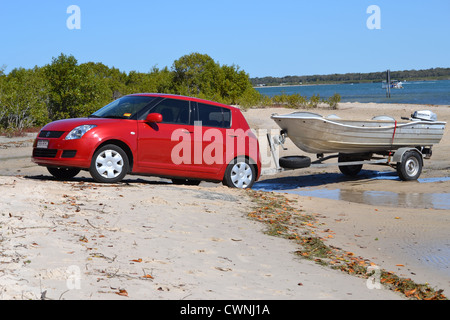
(154, 118)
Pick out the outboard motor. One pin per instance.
(426, 115)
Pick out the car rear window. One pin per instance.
(213, 116)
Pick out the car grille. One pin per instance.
(50, 134)
(44, 153)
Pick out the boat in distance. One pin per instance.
(314, 133)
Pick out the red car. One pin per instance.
(181, 138)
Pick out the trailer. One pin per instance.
(407, 161)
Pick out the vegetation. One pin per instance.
(297, 101)
(66, 89)
(409, 75)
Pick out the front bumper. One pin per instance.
(64, 153)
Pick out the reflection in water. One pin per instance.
(378, 198)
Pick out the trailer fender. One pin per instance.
(398, 155)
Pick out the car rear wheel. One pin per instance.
(239, 174)
(109, 164)
(63, 173)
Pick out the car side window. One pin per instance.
(213, 116)
(174, 111)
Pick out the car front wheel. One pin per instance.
(239, 174)
(109, 164)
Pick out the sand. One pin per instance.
(148, 239)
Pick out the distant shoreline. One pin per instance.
(298, 85)
(339, 83)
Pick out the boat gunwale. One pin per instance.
(395, 124)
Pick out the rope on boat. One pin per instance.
(393, 135)
(392, 141)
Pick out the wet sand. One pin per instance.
(402, 226)
(159, 241)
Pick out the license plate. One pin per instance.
(42, 144)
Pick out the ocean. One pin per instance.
(417, 92)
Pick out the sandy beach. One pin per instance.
(146, 238)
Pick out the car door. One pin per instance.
(158, 143)
(210, 137)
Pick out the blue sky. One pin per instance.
(264, 38)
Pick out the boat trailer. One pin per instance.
(408, 161)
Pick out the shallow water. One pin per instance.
(439, 201)
(435, 256)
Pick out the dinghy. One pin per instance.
(314, 133)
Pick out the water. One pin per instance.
(416, 92)
(437, 201)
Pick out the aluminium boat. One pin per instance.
(314, 133)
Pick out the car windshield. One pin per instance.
(123, 108)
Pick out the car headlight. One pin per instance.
(79, 131)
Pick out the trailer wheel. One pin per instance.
(351, 170)
(295, 162)
(411, 166)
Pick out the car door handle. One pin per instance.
(187, 131)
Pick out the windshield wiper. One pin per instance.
(93, 116)
(115, 117)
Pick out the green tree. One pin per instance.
(197, 75)
(74, 90)
(22, 99)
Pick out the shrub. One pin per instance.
(334, 100)
(314, 101)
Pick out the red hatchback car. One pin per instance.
(181, 138)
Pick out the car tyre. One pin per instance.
(63, 173)
(109, 164)
(239, 174)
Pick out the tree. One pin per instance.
(74, 90)
(66, 89)
(199, 75)
(22, 98)
(195, 74)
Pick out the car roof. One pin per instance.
(180, 97)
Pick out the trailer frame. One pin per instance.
(408, 161)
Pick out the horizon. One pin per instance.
(265, 40)
(344, 73)
(267, 76)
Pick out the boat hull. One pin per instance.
(315, 134)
